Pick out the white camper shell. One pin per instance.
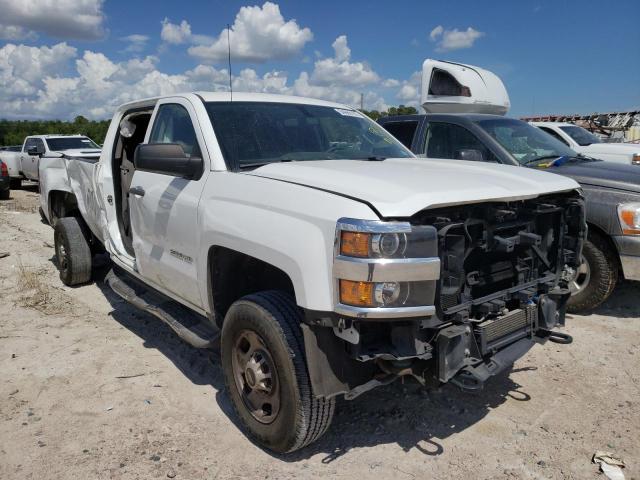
(449, 87)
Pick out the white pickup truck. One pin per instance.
(317, 250)
(588, 144)
(26, 162)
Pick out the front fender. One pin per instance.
(291, 227)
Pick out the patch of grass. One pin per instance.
(36, 294)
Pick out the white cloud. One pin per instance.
(436, 32)
(81, 19)
(137, 42)
(390, 82)
(338, 70)
(13, 32)
(454, 39)
(175, 33)
(258, 34)
(409, 93)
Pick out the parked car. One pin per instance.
(611, 190)
(5, 181)
(25, 163)
(586, 143)
(328, 255)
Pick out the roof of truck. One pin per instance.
(552, 124)
(238, 97)
(473, 117)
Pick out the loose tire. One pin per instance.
(265, 372)
(73, 254)
(596, 277)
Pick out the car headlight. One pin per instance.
(385, 264)
(636, 159)
(629, 216)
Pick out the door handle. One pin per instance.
(139, 191)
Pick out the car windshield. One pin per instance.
(527, 144)
(251, 134)
(70, 143)
(581, 136)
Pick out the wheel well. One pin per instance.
(606, 239)
(62, 204)
(233, 275)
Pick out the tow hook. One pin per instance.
(555, 337)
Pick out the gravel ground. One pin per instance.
(92, 388)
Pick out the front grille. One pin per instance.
(515, 324)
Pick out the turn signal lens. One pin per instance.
(355, 244)
(629, 215)
(359, 294)
(636, 159)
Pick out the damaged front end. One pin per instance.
(454, 294)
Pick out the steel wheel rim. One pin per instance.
(255, 376)
(581, 278)
(61, 254)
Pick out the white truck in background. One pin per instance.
(322, 255)
(586, 143)
(38, 149)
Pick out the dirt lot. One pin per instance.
(92, 388)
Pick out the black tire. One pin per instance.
(5, 194)
(603, 269)
(301, 418)
(15, 183)
(73, 255)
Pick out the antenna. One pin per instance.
(229, 51)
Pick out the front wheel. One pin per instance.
(266, 376)
(595, 278)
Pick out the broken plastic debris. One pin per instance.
(610, 464)
(109, 409)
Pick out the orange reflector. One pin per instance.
(355, 244)
(628, 217)
(359, 294)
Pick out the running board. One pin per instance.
(194, 329)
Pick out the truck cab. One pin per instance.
(612, 191)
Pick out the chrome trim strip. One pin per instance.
(386, 269)
(384, 312)
(372, 226)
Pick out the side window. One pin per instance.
(403, 131)
(173, 125)
(31, 142)
(554, 134)
(446, 140)
(40, 144)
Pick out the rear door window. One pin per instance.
(447, 140)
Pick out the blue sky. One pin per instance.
(86, 56)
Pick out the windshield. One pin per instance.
(70, 143)
(527, 144)
(581, 136)
(255, 133)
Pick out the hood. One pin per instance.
(602, 174)
(400, 187)
(615, 148)
(80, 152)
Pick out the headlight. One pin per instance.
(386, 265)
(629, 216)
(636, 159)
(359, 238)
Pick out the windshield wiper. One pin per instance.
(539, 159)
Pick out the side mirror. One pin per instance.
(469, 154)
(167, 159)
(34, 150)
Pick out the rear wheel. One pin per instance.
(595, 278)
(266, 374)
(73, 254)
